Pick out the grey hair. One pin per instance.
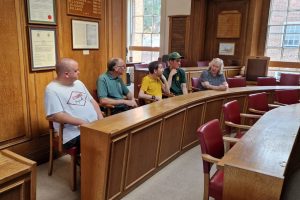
(218, 62)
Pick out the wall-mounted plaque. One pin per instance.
(42, 48)
(85, 8)
(229, 24)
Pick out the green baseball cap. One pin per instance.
(174, 55)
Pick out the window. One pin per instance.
(283, 38)
(144, 30)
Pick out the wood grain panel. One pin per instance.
(117, 166)
(194, 118)
(172, 131)
(143, 143)
(11, 81)
(212, 109)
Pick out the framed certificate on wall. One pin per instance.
(43, 48)
(85, 34)
(41, 11)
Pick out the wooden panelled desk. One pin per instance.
(121, 151)
(17, 177)
(259, 164)
(229, 71)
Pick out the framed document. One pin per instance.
(229, 24)
(41, 11)
(226, 49)
(85, 34)
(43, 48)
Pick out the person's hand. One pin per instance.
(173, 72)
(223, 87)
(131, 103)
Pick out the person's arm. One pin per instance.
(172, 73)
(221, 87)
(184, 88)
(62, 117)
(143, 95)
(130, 100)
(165, 86)
(97, 108)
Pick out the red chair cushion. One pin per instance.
(258, 101)
(266, 81)
(236, 82)
(216, 185)
(287, 96)
(72, 151)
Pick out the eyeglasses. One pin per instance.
(122, 66)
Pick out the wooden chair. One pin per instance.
(289, 79)
(232, 118)
(106, 107)
(236, 82)
(202, 63)
(138, 66)
(266, 81)
(195, 83)
(258, 103)
(286, 97)
(56, 143)
(212, 147)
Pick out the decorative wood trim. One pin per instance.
(284, 64)
(143, 48)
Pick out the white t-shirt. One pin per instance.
(74, 100)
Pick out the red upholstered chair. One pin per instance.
(195, 82)
(286, 97)
(57, 144)
(289, 79)
(258, 103)
(212, 147)
(266, 81)
(232, 118)
(202, 63)
(236, 82)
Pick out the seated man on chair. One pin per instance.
(111, 88)
(68, 101)
(154, 83)
(175, 75)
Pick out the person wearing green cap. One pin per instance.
(175, 75)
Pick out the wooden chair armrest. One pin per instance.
(250, 115)
(280, 104)
(106, 105)
(210, 158)
(230, 139)
(257, 111)
(246, 127)
(273, 105)
(194, 89)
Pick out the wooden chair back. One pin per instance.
(289, 79)
(266, 81)
(236, 82)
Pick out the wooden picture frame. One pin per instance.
(41, 12)
(85, 34)
(43, 48)
(226, 48)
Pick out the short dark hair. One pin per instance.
(111, 63)
(153, 66)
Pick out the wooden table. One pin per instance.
(17, 177)
(259, 164)
(121, 151)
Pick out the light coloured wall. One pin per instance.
(168, 8)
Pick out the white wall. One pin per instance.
(168, 8)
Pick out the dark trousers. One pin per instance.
(75, 142)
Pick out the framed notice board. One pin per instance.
(84, 8)
(229, 24)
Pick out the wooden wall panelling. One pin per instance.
(13, 107)
(264, 18)
(194, 118)
(197, 30)
(172, 131)
(144, 143)
(212, 43)
(212, 109)
(117, 166)
(179, 34)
